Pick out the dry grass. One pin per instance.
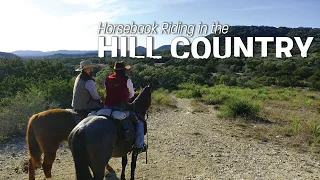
(293, 124)
(198, 106)
(288, 116)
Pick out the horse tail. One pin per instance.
(80, 155)
(33, 145)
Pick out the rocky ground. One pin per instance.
(186, 145)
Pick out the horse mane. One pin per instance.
(146, 91)
(142, 101)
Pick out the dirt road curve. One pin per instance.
(185, 145)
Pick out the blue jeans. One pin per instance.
(139, 134)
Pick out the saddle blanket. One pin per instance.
(120, 115)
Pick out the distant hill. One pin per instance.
(234, 31)
(266, 31)
(28, 53)
(166, 47)
(7, 55)
(141, 49)
(59, 53)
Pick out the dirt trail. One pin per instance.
(186, 145)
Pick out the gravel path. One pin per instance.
(186, 145)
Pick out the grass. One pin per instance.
(239, 107)
(315, 130)
(295, 126)
(198, 106)
(294, 113)
(162, 97)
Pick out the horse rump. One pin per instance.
(76, 142)
(33, 145)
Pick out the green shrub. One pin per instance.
(161, 97)
(14, 117)
(213, 99)
(237, 107)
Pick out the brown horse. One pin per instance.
(46, 130)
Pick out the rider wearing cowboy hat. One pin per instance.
(85, 95)
(120, 88)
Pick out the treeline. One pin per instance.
(53, 79)
(55, 76)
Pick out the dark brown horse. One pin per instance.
(95, 140)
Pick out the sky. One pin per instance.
(73, 24)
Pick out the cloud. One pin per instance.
(25, 26)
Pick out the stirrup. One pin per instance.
(137, 151)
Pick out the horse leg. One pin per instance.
(133, 165)
(110, 170)
(31, 170)
(49, 158)
(98, 168)
(124, 164)
(99, 156)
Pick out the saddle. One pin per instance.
(123, 116)
(125, 122)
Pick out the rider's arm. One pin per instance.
(130, 87)
(91, 87)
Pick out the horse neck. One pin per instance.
(141, 104)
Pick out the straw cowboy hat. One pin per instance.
(119, 65)
(85, 64)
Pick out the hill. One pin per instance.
(265, 31)
(7, 55)
(166, 47)
(29, 53)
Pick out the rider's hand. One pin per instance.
(101, 102)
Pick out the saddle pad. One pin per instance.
(115, 114)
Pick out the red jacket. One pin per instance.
(116, 89)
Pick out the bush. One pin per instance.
(14, 117)
(161, 97)
(57, 90)
(213, 99)
(237, 107)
